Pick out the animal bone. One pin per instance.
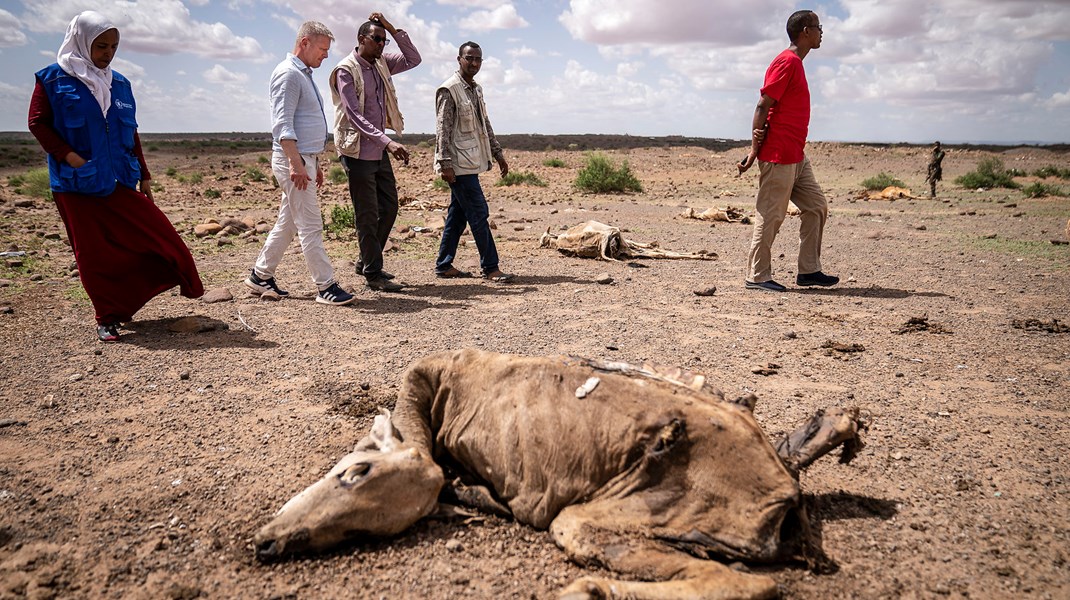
(643, 478)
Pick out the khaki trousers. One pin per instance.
(777, 184)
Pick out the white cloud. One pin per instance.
(719, 23)
(629, 69)
(487, 4)
(517, 75)
(10, 32)
(132, 71)
(219, 74)
(503, 17)
(522, 51)
(1058, 100)
(150, 26)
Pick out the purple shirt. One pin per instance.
(370, 118)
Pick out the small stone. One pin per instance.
(206, 229)
(184, 375)
(454, 546)
(14, 263)
(6, 282)
(113, 439)
(920, 227)
(217, 295)
(24, 203)
(223, 242)
(790, 335)
(76, 377)
(603, 278)
(263, 227)
(270, 296)
(364, 385)
(37, 277)
(49, 401)
(6, 310)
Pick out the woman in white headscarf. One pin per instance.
(83, 114)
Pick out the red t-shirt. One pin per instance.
(789, 118)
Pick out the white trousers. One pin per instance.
(299, 214)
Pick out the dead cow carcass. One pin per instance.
(598, 240)
(642, 470)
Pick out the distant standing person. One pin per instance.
(299, 135)
(365, 104)
(936, 171)
(778, 137)
(83, 114)
(465, 146)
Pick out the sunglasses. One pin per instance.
(378, 39)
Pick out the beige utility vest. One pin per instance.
(470, 151)
(346, 135)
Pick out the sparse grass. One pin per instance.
(342, 219)
(521, 178)
(255, 174)
(426, 145)
(337, 175)
(171, 172)
(600, 176)
(263, 159)
(212, 193)
(76, 292)
(34, 183)
(1035, 249)
(990, 173)
(881, 181)
(556, 163)
(1039, 190)
(153, 148)
(196, 178)
(439, 184)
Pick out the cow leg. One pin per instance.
(819, 435)
(664, 572)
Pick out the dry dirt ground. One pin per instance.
(142, 469)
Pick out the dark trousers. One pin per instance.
(374, 193)
(468, 206)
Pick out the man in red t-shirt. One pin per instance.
(778, 136)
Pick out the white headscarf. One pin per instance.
(75, 56)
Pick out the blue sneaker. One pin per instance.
(335, 296)
(263, 286)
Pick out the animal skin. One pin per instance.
(645, 471)
(592, 239)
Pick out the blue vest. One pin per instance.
(107, 144)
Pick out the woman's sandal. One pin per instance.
(108, 332)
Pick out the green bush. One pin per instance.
(521, 178)
(440, 184)
(337, 175)
(34, 183)
(15, 180)
(1051, 171)
(212, 193)
(196, 178)
(255, 174)
(553, 162)
(342, 218)
(599, 176)
(262, 159)
(171, 171)
(990, 173)
(153, 148)
(881, 181)
(1039, 190)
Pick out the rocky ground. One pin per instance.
(142, 469)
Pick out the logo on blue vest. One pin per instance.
(120, 104)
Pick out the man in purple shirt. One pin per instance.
(365, 105)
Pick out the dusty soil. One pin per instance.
(142, 469)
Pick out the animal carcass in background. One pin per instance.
(728, 214)
(644, 471)
(598, 240)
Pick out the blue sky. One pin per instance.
(887, 71)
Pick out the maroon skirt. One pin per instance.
(127, 252)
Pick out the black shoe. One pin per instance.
(108, 332)
(383, 274)
(384, 285)
(769, 286)
(263, 286)
(335, 296)
(817, 278)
